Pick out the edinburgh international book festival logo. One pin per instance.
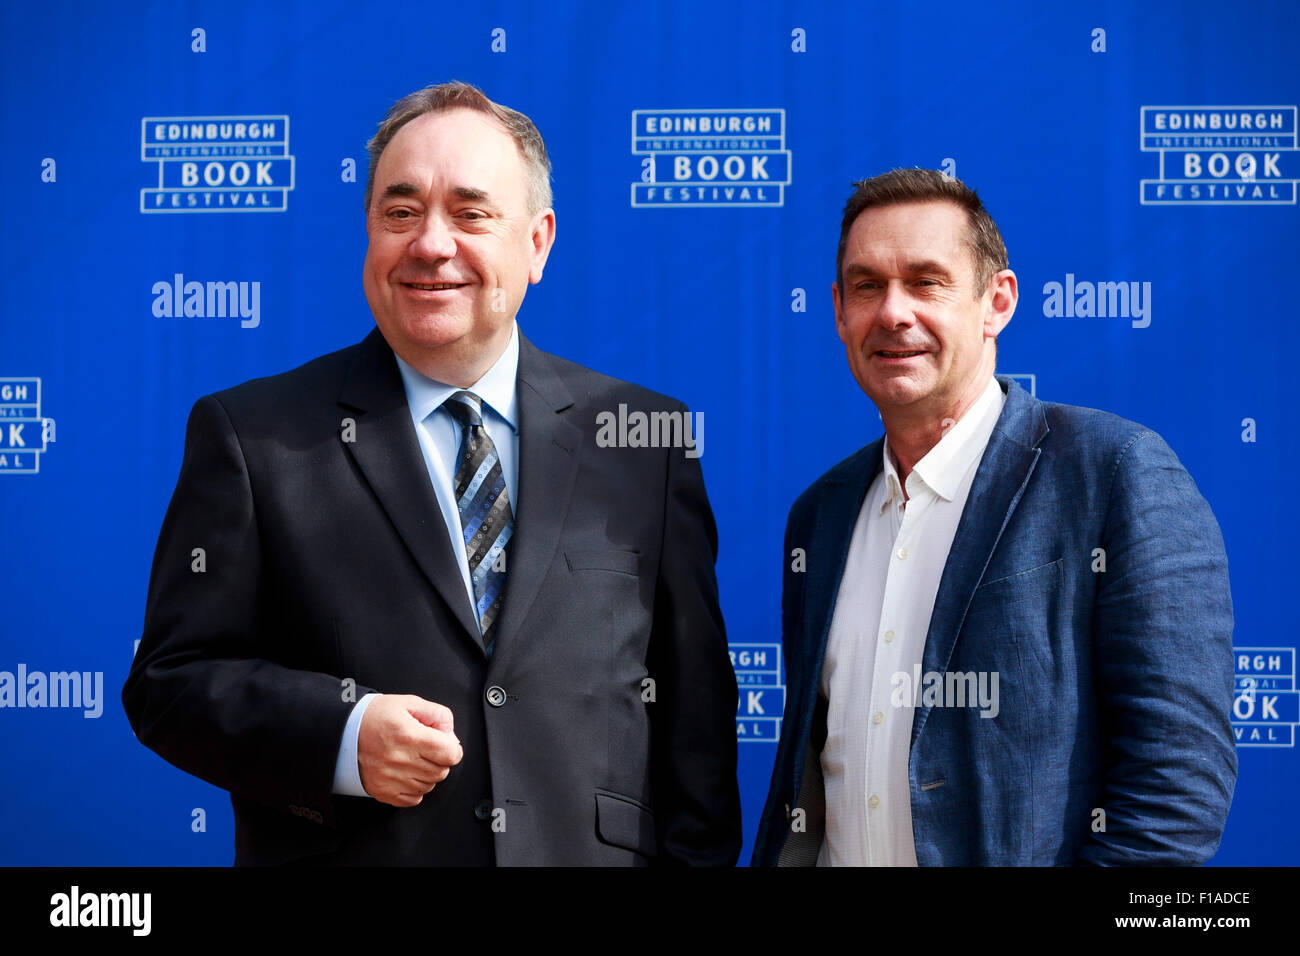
(722, 157)
(217, 163)
(1221, 155)
(25, 434)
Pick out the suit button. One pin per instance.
(483, 810)
(495, 696)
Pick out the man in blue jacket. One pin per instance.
(1007, 623)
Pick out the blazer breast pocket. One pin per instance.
(622, 562)
(1012, 611)
(1033, 584)
(1034, 611)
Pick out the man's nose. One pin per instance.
(434, 240)
(895, 308)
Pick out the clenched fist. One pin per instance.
(405, 748)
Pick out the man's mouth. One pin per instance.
(884, 353)
(434, 286)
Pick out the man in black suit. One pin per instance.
(405, 606)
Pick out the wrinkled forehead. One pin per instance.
(934, 226)
(909, 234)
(453, 149)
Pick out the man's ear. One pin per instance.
(1002, 303)
(542, 236)
(839, 313)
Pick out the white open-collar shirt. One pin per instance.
(882, 615)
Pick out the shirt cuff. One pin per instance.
(347, 775)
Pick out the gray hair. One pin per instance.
(458, 95)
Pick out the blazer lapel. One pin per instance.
(1000, 481)
(832, 532)
(549, 448)
(388, 453)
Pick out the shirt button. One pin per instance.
(877, 718)
(495, 695)
(902, 554)
(873, 802)
(889, 637)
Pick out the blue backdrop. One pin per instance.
(1154, 147)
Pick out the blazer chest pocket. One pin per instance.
(1035, 584)
(625, 822)
(624, 562)
(1010, 611)
(1022, 620)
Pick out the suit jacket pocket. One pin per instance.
(1012, 615)
(624, 822)
(627, 562)
(1033, 584)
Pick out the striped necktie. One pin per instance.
(485, 517)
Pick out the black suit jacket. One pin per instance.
(327, 573)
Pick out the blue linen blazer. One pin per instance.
(1115, 685)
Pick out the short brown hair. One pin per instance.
(900, 186)
(458, 95)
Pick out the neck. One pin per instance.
(913, 431)
(461, 363)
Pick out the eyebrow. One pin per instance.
(400, 189)
(460, 192)
(919, 267)
(470, 193)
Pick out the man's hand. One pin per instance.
(404, 748)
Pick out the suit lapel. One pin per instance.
(826, 547)
(549, 447)
(388, 453)
(832, 532)
(1000, 481)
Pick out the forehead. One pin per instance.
(934, 230)
(453, 148)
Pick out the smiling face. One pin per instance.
(919, 336)
(452, 245)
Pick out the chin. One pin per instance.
(434, 331)
(892, 391)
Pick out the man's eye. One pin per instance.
(472, 215)
(399, 213)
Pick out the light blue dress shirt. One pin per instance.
(440, 435)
